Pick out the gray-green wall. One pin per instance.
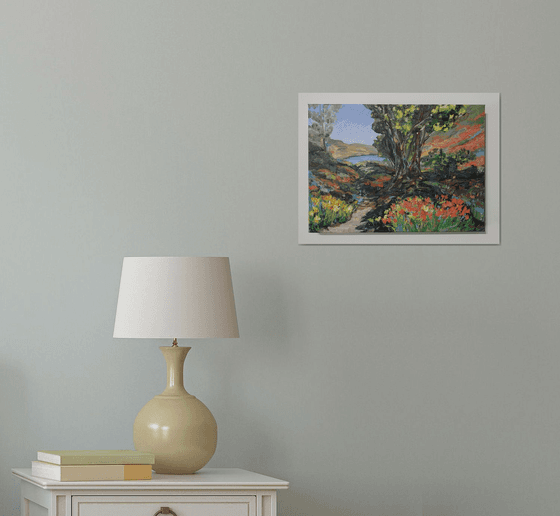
(380, 381)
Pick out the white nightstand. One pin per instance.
(209, 492)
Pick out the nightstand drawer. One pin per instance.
(150, 505)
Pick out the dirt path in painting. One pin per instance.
(350, 225)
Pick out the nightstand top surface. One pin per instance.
(206, 478)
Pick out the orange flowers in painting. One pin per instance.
(416, 214)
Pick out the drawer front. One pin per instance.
(150, 505)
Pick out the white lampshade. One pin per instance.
(176, 297)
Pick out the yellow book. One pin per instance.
(91, 472)
(78, 457)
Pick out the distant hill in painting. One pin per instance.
(340, 150)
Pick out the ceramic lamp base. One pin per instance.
(175, 426)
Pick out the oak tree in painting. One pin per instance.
(396, 168)
(404, 129)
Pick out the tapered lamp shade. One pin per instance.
(176, 297)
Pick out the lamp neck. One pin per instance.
(175, 358)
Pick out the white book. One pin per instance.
(76, 457)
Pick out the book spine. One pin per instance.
(137, 472)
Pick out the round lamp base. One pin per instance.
(175, 426)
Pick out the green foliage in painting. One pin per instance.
(403, 129)
(446, 165)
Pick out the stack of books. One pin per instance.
(76, 465)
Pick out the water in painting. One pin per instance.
(396, 168)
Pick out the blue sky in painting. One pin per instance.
(353, 125)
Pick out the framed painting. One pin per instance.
(399, 168)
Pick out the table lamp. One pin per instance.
(174, 298)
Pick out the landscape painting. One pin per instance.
(399, 168)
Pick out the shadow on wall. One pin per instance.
(265, 308)
(14, 435)
(243, 437)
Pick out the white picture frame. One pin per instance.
(491, 233)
